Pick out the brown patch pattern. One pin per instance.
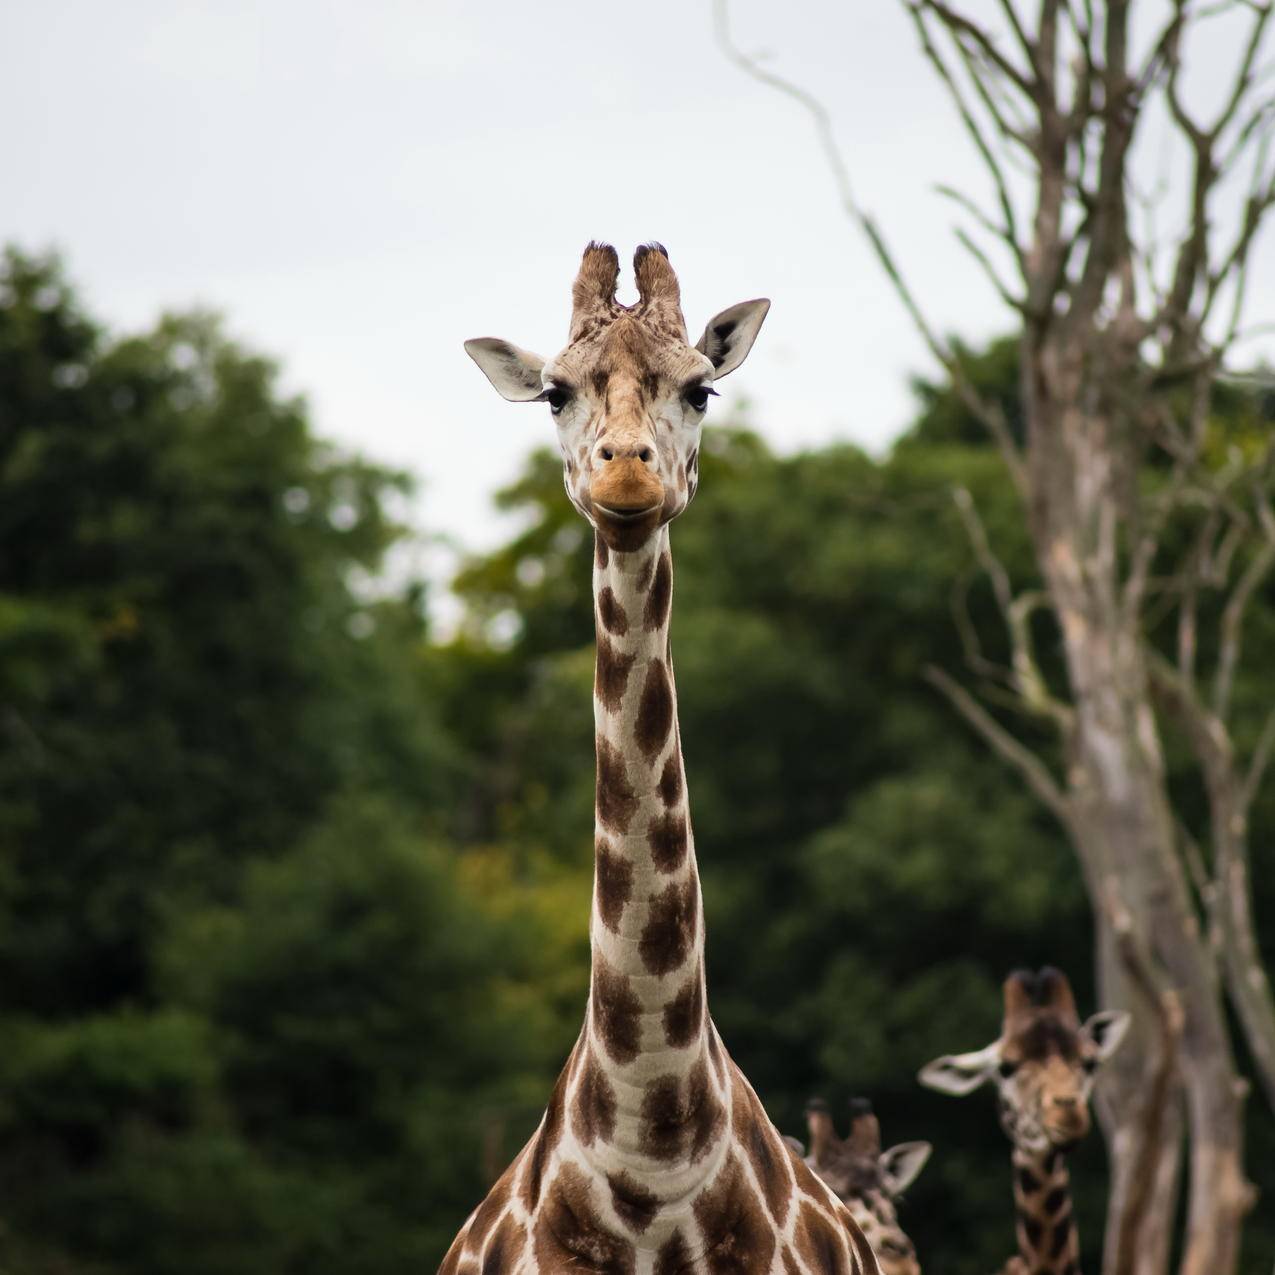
(615, 800)
(669, 932)
(821, 1246)
(545, 1141)
(491, 1208)
(673, 1257)
(671, 778)
(655, 711)
(617, 1012)
(611, 612)
(661, 595)
(708, 1118)
(738, 1237)
(569, 1233)
(611, 674)
(601, 553)
(593, 1110)
(768, 1156)
(635, 1205)
(613, 881)
(667, 838)
(684, 1014)
(505, 1248)
(681, 1120)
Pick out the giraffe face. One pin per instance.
(628, 394)
(1043, 1065)
(867, 1180)
(629, 409)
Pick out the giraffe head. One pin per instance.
(628, 393)
(866, 1179)
(1042, 1064)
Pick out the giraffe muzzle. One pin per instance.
(626, 490)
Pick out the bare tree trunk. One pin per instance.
(1117, 363)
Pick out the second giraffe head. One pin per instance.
(1042, 1065)
(628, 392)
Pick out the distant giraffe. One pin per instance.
(867, 1180)
(1043, 1067)
(654, 1156)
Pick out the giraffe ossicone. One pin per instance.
(1043, 1066)
(866, 1179)
(654, 1156)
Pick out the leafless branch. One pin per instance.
(989, 413)
(1029, 766)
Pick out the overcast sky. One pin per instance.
(360, 187)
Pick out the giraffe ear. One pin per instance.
(1106, 1030)
(960, 1074)
(730, 335)
(514, 372)
(901, 1165)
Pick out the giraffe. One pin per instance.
(1043, 1066)
(866, 1179)
(654, 1155)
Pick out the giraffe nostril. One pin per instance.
(644, 455)
(607, 454)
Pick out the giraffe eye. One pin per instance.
(1090, 1065)
(557, 396)
(697, 396)
(1007, 1068)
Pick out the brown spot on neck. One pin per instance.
(681, 1119)
(611, 613)
(655, 711)
(613, 882)
(594, 1108)
(684, 1014)
(669, 933)
(611, 674)
(667, 837)
(615, 801)
(671, 777)
(616, 1011)
(661, 594)
(635, 1205)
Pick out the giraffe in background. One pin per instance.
(654, 1155)
(867, 1180)
(1043, 1067)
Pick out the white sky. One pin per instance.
(360, 187)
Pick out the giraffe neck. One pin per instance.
(1047, 1241)
(647, 1014)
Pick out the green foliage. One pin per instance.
(294, 897)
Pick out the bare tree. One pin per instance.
(1124, 343)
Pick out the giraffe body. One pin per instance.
(1043, 1066)
(654, 1155)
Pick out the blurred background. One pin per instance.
(296, 770)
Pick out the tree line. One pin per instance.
(294, 891)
